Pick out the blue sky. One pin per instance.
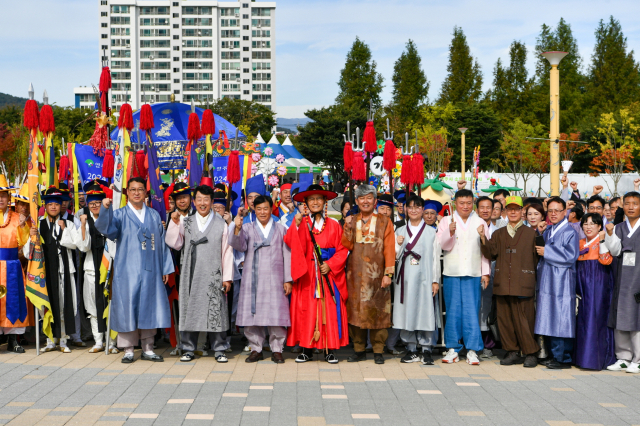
(53, 43)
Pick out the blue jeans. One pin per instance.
(462, 302)
(561, 348)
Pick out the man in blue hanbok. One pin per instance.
(556, 294)
(142, 264)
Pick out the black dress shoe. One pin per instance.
(154, 357)
(555, 365)
(512, 358)
(357, 357)
(378, 358)
(277, 357)
(13, 345)
(545, 361)
(254, 357)
(531, 361)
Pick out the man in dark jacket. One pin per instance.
(514, 284)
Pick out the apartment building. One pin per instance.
(192, 49)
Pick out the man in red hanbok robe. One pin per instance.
(319, 295)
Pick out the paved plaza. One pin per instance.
(96, 389)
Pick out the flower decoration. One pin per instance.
(273, 180)
(282, 170)
(380, 149)
(398, 154)
(254, 169)
(398, 170)
(280, 158)
(441, 175)
(268, 151)
(385, 182)
(256, 157)
(373, 180)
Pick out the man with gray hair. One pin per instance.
(370, 238)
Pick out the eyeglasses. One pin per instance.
(95, 204)
(595, 209)
(414, 208)
(555, 211)
(136, 190)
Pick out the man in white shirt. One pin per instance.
(466, 273)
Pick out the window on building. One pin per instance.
(104, 47)
(245, 49)
(245, 81)
(176, 37)
(105, 36)
(176, 80)
(245, 70)
(245, 38)
(245, 5)
(175, 4)
(103, 2)
(245, 16)
(176, 25)
(176, 92)
(245, 92)
(245, 27)
(176, 15)
(245, 59)
(230, 66)
(103, 25)
(260, 11)
(176, 70)
(103, 14)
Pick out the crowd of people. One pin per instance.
(549, 281)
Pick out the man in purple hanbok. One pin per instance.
(142, 264)
(266, 279)
(556, 293)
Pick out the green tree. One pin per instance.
(512, 87)
(359, 81)
(321, 141)
(614, 76)
(256, 117)
(464, 80)
(483, 127)
(572, 81)
(410, 84)
(10, 115)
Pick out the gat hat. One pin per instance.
(206, 180)
(180, 188)
(4, 186)
(23, 195)
(220, 197)
(513, 199)
(312, 190)
(433, 205)
(255, 184)
(52, 195)
(385, 200)
(64, 188)
(94, 190)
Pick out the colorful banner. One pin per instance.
(89, 164)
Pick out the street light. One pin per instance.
(462, 129)
(554, 59)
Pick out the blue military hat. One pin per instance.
(433, 205)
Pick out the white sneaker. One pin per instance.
(247, 349)
(472, 358)
(633, 367)
(620, 365)
(451, 357)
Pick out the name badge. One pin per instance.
(414, 261)
(628, 259)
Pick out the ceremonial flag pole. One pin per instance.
(36, 288)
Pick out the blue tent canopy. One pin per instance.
(171, 120)
(291, 150)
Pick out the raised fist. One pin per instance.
(83, 219)
(238, 221)
(610, 227)
(62, 224)
(574, 186)
(462, 184)
(298, 218)
(175, 217)
(564, 181)
(542, 226)
(400, 240)
(452, 228)
(481, 230)
(348, 223)
(597, 189)
(106, 203)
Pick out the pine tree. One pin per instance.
(464, 80)
(571, 79)
(410, 85)
(512, 88)
(613, 79)
(359, 81)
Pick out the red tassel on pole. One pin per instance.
(107, 164)
(418, 169)
(140, 164)
(208, 123)
(146, 118)
(193, 130)
(105, 80)
(31, 114)
(369, 138)
(47, 123)
(64, 172)
(389, 156)
(233, 168)
(167, 194)
(347, 156)
(359, 171)
(407, 170)
(108, 191)
(125, 119)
